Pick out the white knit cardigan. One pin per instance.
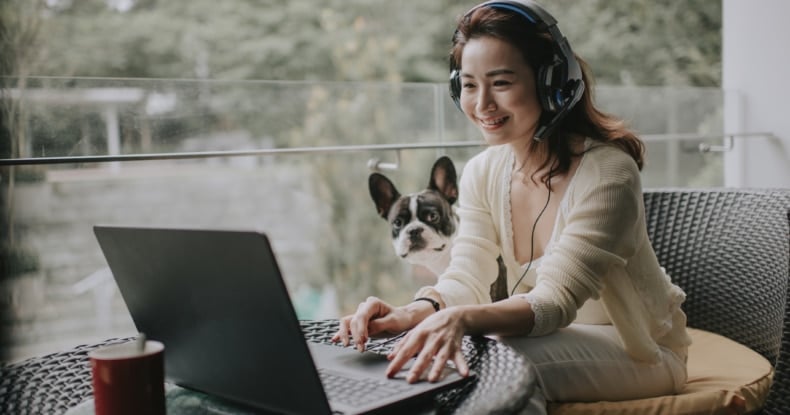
(599, 251)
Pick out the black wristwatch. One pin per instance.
(433, 302)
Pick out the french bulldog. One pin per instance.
(423, 224)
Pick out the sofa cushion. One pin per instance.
(724, 377)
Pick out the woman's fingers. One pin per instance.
(404, 350)
(342, 331)
(398, 346)
(430, 352)
(434, 342)
(370, 309)
(460, 363)
(427, 348)
(434, 353)
(439, 363)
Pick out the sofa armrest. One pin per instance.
(730, 252)
(779, 398)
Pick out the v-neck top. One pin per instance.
(598, 266)
(591, 312)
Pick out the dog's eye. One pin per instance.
(397, 223)
(432, 217)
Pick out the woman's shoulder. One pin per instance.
(486, 160)
(606, 165)
(605, 159)
(482, 176)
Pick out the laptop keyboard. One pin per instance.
(358, 392)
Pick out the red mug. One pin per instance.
(129, 378)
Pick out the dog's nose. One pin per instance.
(415, 232)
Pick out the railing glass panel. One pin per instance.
(290, 158)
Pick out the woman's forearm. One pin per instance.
(417, 311)
(510, 317)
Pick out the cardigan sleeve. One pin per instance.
(600, 232)
(473, 266)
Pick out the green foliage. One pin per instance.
(20, 40)
(632, 42)
(245, 40)
(645, 42)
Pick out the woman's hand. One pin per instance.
(373, 318)
(435, 341)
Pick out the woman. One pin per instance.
(590, 306)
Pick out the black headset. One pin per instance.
(559, 83)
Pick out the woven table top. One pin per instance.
(503, 380)
(55, 383)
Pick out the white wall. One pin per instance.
(756, 78)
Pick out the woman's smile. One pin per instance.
(493, 123)
(498, 91)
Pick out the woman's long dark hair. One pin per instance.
(583, 120)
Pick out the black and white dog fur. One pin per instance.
(423, 224)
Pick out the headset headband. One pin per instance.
(559, 82)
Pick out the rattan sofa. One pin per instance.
(730, 252)
(729, 249)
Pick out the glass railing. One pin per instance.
(289, 158)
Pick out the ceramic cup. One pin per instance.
(128, 378)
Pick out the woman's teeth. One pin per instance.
(493, 122)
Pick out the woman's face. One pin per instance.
(498, 91)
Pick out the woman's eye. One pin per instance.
(501, 83)
(468, 85)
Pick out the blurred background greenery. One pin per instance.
(243, 74)
(627, 42)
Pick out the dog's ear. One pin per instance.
(383, 193)
(444, 180)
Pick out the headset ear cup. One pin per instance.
(544, 88)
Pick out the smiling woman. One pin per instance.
(90, 54)
(557, 194)
(498, 91)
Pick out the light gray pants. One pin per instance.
(587, 363)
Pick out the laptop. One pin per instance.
(218, 302)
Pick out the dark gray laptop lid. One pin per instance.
(178, 285)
